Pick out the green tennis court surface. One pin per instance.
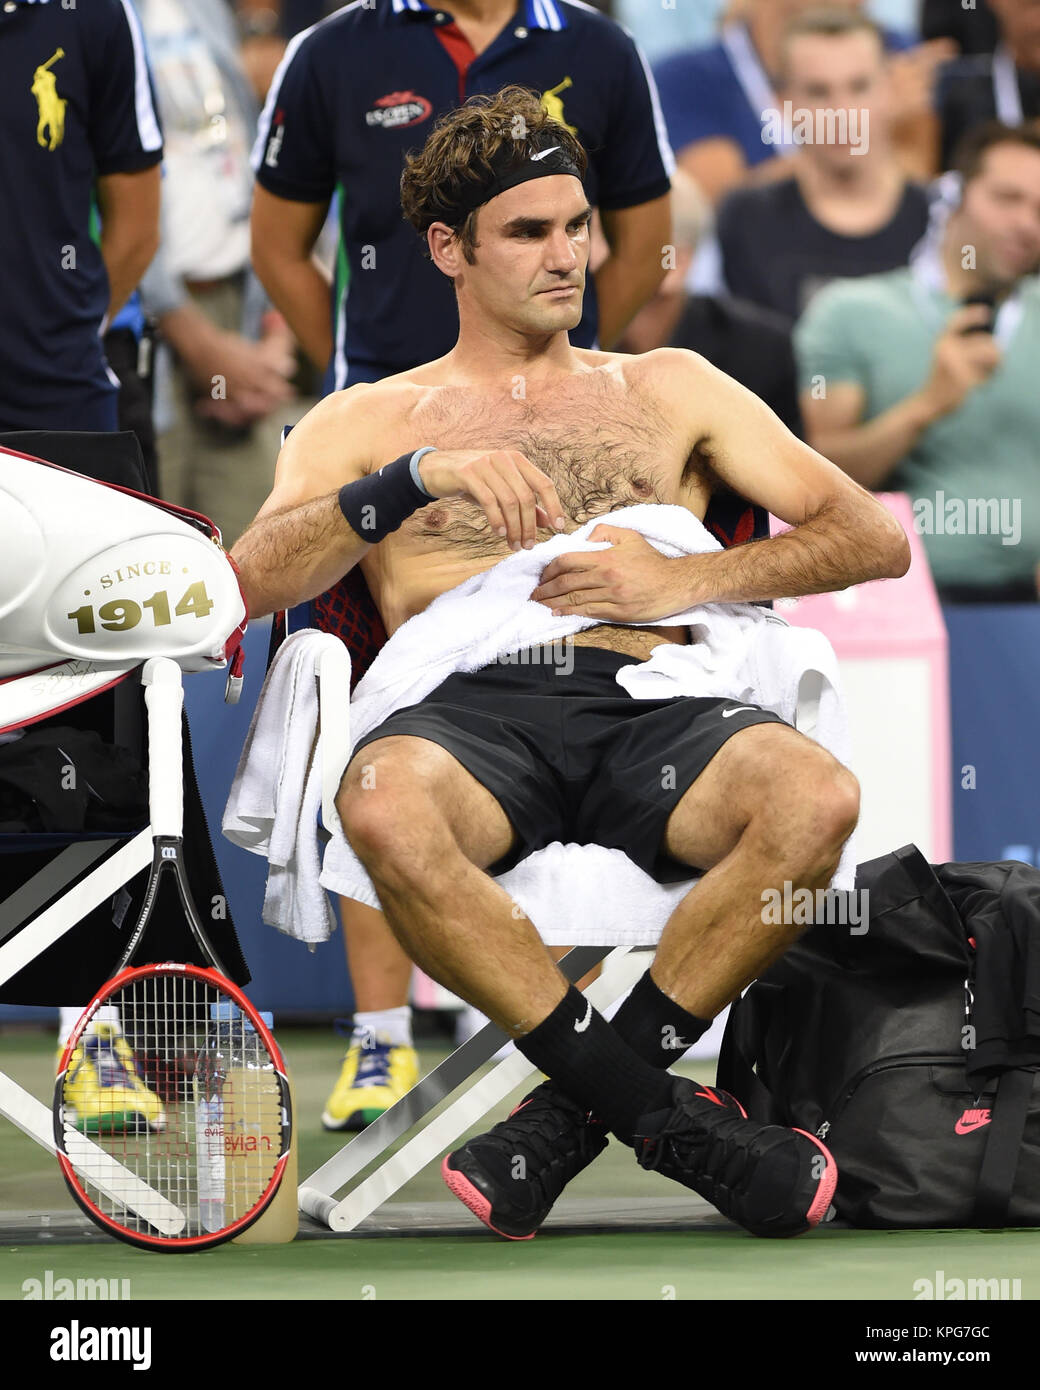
(618, 1233)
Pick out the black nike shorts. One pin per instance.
(572, 756)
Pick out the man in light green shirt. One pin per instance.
(906, 387)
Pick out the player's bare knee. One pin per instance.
(841, 803)
(374, 825)
(355, 800)
(803, 823)
(386, 807)
(832, 811)
(389, 768)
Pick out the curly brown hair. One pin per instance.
(457, 154)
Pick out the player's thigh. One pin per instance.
(767, 773)
(401, 790)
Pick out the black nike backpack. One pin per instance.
(864, 1033)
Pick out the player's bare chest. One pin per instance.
(592, 444)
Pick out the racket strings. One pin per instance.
(173, 1121)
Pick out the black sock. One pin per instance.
(656, 1028)
(583, 1055)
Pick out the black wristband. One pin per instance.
(378, 504)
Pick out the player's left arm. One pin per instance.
(840, 535)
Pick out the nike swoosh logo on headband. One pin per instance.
(536, 157)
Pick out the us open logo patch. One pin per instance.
(398, 109)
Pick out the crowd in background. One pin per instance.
(882, 274)
(892, 378)
(855, 235)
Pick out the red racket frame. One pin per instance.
(222, 984)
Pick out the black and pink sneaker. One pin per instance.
(511, 1176)
(770, 1180)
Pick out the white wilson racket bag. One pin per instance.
(94, 580)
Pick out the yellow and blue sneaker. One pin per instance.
(373, 1077)
(104, 1087)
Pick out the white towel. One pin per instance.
(587, 894)
(276, 794)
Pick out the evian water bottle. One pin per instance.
(211, 1070)
(252, 1113)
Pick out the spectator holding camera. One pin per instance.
(925, 379)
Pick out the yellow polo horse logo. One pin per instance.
(52, 106)
(552, 104)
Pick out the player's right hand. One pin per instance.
(961, 360)
(517, 498)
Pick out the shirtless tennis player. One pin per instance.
(527, 434)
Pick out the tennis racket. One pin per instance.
(172, 1128)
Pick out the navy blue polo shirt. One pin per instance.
(76, 103)
(703, 98)
(363, 87)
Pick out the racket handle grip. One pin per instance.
(164, 697)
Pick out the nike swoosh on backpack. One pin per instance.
(961, 1128)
